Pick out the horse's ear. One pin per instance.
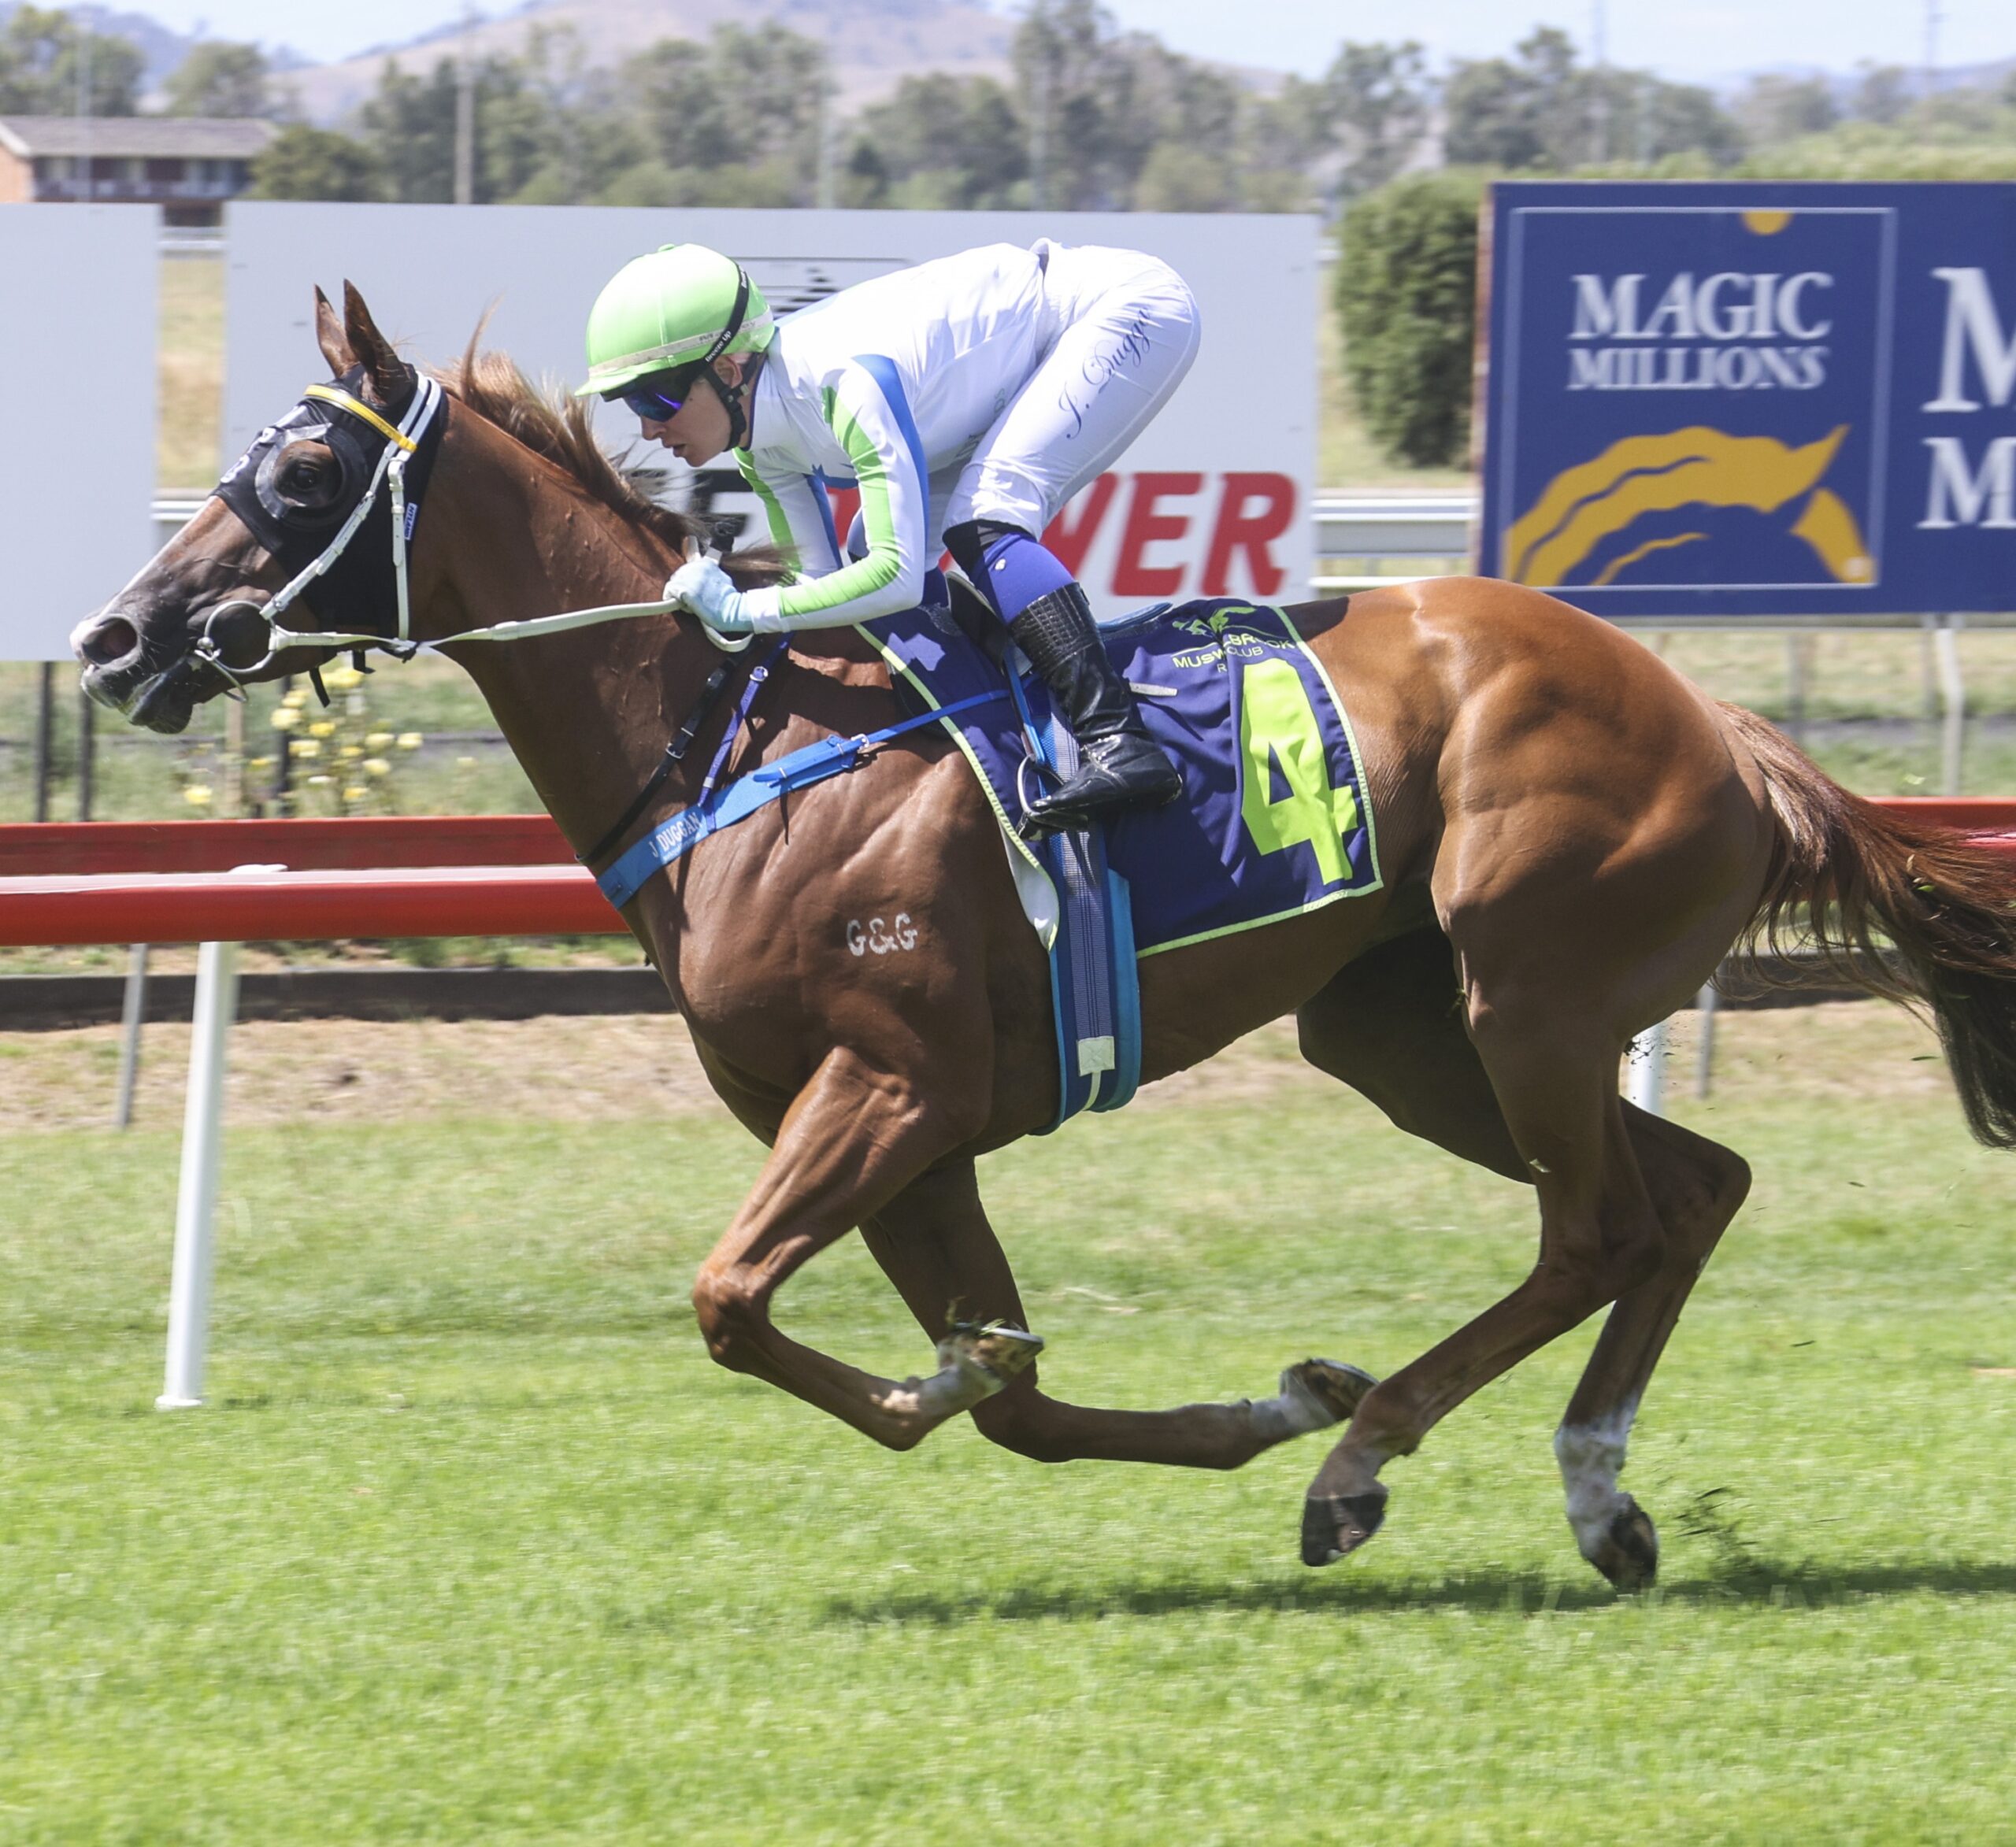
(387, 372)
(329, 337)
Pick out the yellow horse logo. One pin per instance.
(1583, 506)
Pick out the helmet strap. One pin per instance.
(734, 398)
(731, 397)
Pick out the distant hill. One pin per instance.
(874, 44)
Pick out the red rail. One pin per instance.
(421, 875)
(82, 849)
(113, 882)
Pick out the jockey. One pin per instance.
(968, 399)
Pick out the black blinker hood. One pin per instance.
(357, 591)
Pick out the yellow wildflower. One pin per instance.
(197, 795)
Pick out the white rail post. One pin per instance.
(1709, 1002)
(132, 1016)
(196, 1199)
(1953, 695)
(1645, 1069)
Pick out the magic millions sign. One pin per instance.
(1773, 400)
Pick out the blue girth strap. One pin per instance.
(719, 807)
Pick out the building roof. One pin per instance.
(153, 138)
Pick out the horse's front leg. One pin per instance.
(855, 1137)
(934, 1244)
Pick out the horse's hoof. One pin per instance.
(1002, 1353)
(1627, 1552)
(1334, 1526)
(1325, 1391)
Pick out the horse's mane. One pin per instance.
(555, 426)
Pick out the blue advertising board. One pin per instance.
(1753, 399)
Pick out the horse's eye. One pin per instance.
(304, 474)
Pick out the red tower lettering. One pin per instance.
(1131, 576)
(1252, 533)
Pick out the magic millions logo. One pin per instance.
(1711, 417)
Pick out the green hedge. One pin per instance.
(1406, 297)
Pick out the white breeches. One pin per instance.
(1126, 333)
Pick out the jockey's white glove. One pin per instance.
(705, 589)
(708, 591)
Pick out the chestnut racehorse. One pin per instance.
(1574, 837)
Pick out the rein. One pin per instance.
(415, 435)
(411, 442)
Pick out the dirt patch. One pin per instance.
(642, 1067)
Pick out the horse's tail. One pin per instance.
(1858, 874)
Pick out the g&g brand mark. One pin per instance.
(880, 939)
(1729, 332)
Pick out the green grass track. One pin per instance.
(472, 1544)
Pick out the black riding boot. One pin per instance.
(1120, 766)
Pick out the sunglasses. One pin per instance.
(655, 401)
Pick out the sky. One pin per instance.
(1684, 40)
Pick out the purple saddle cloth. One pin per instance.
(1273, 820)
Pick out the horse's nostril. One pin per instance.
(109, 642)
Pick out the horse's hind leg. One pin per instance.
(1554, 1069)
(1390, 1024)
(1697, 1187)
(934, 1242)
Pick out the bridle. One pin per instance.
(400, 457)
(247, 489)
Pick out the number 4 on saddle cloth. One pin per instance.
(1274, 819)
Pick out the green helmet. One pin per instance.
(683, 304)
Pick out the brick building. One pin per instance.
(188, 165)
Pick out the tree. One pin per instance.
(940, 142)
(1774, 108)
(1378, 105)
(305, 163)
(1517, 113)
(42, 55)
(220, 78)
(409, 125)
(1098, 103)
(1883, 94)
(1407, 292)
(1545, 113)
(747, 107)
(1177, 177)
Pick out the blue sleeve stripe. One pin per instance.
(818, 483)
(889, 382)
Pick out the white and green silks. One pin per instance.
(992, 385)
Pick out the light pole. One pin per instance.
(465, 116)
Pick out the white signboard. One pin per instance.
(77, 337)
(1212, 499)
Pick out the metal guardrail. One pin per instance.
(1395, 525)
